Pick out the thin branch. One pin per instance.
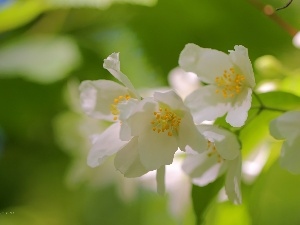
(269, 11)
(285, 6)
(263, 106)
(258, 98)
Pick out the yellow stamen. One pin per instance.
(212, 150)
(114, 107)
(230, 83)
(165, 120)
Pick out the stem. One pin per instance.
(260, 109)
(269, 11)
(258, 98)
(263, 107)
(268, 108)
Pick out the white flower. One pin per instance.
(287, 127)
(101, 99)
(161, 125)
(223, 153)
(229, 80)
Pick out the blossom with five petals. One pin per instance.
(223, 153)
(159, 126)
(287, 127)
(229, 79)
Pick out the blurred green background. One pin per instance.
(48, 46)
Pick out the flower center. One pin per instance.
(165, 120)
(213, 151)
(114, 107)
(230, 83)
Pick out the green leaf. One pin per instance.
(291, 83)
(280, 100)
(254, 133)
(16, 13)
(202, 197)
(275, 198)
(43, 59)
(256, 129)
(268, 66)
(226, 213)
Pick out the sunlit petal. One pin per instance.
(183, 82)
(239, 57)
(206, 63)
(238, 113)
(205, 104)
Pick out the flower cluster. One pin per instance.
(146, 132)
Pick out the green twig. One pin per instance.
(263, 107)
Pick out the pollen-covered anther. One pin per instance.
(212, 150)
(230, 83)
(114, 106)
(165, 121)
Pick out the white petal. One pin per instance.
(188, 135)
(238, 113)
(206, 104)
(112, 64)
(126, 110)
(183, 82)
(125, 132)
(290, 155)
(142, 117)
(149, 92)
(233, 180)
(171, 99)
(226, 142)
(127, 160)
(106, 144)
(156, 149)
(206, 63)
(286, 125)
(97, 97)
(160, 180)
(203, 169)
(239, 57)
